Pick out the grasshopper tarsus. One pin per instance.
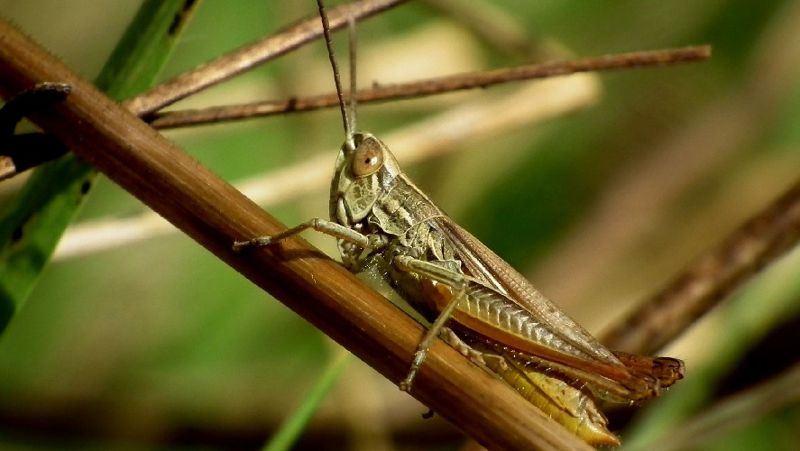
(255, 242)
(406, 384)
(419, 358)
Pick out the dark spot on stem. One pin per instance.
(85, 186)
(16, 235)
(175, 25)
(180, 17)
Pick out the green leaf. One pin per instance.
(52, 196)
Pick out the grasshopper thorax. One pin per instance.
(364, 172)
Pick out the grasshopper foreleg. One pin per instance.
(452, 279)
(320, 225)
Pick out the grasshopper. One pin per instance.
(388, 228)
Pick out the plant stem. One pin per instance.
(714, 275)
(433, 86)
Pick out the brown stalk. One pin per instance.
(710, 278)
(215, 214)
(251, 55)
(433, 86)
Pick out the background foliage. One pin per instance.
(158, 344)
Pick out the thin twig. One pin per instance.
(251, 55)
(714, 275)
(215, 214)
(433, 86)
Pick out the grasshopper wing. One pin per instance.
(502, 306)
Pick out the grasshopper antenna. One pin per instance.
(351, 26)
(346, 119)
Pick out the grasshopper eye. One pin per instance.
(367, 160)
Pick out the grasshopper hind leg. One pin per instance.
(483, 359)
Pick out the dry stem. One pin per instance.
(433, 86)
(714, 275)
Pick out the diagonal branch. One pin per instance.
(714, 275)
(214, 214)
(433, 86)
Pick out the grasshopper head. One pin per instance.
(362, 175)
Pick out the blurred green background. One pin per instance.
(599, 188)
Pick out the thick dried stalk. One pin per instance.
(433, 86)
(714, 275)
(213, 213)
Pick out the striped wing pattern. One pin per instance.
(537, 318)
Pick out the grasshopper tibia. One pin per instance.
(434, 273)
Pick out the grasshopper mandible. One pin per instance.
(386, 226)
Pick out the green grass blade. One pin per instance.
(293, 426)
(50, 199)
